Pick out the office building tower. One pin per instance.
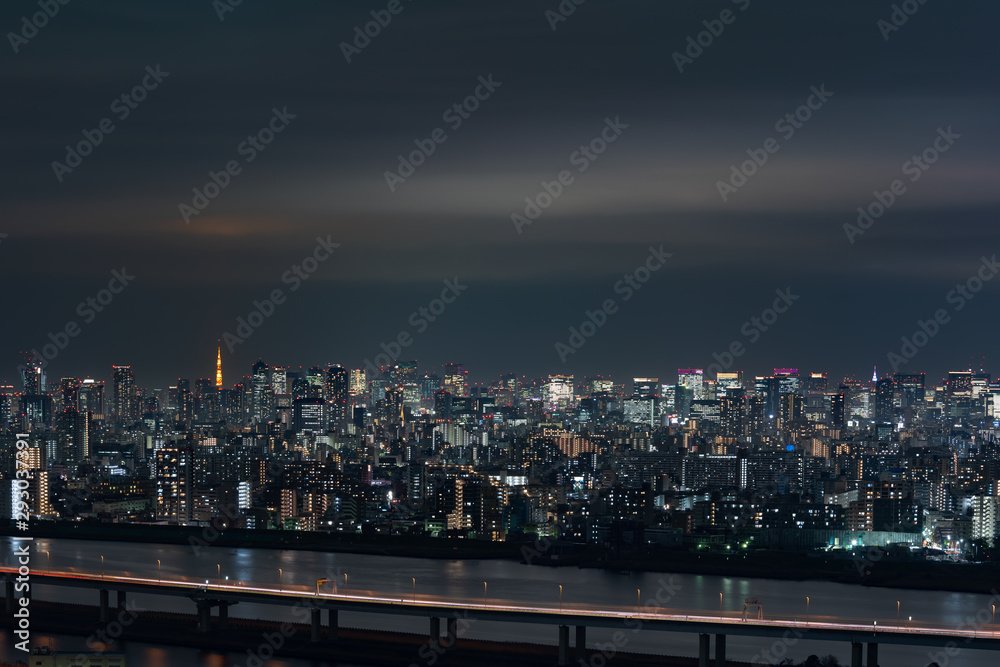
(455, 379)
(958, 394)
(646, 387)
(558, 393)
(725, 381)
(693, 380)
(90, 398)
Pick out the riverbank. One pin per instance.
(262, 639)
(868, 570)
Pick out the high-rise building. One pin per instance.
(788, 380)
(455, 379)
(558, 393)
(173, 469)
(733, 413)
(838, 409)
(316, 382)
(33, 377)
(261, 394)
(123, 394)
(725, 381)
(985, 518)
(646, 387)
(885, 394)
(90, 398)
(358, 386)
(694, 380)
(958, 394)
(279, 380)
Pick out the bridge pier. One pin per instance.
(121, 601)
(872, 654)
(11, 602)
(720, 651)
(563, 645)
(581, 643)
(704, 646)
(204, 616)
(105, 611)
(333, 621)
(452, 631)
(856, 654)
(223, 616)
(435, 634)
(317, 617)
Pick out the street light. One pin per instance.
(102, 567)
(560, 597)
(485, 589)
(414, 588)
(807, 607)
(897, 611)
(720, 601)
(280, 586)
(638, 594)
(218, 572)
(158, 576)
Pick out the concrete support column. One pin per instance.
(317, 617)
(720, 651)
(105, 613)
(856, 654)
(204, 617)
(581, 643)
(121, 600)
(435, 631)
(452, 632)
(704, 646)
(563, 646)
(872, 654)
(223, 616)
(333, 621)
(11, 602)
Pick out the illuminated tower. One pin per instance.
(218, 370)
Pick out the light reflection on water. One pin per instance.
(506, 580)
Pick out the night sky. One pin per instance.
(323, 175)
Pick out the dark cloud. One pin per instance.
(324, 175)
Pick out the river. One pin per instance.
(503, 580)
